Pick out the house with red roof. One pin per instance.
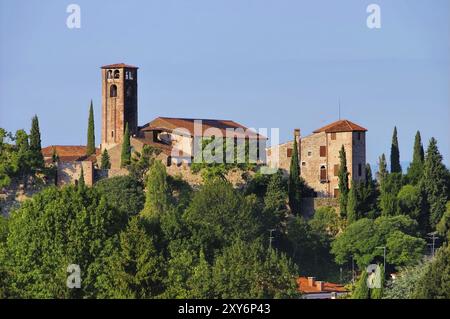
(311, 288)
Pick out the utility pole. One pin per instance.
(433, 238)
(384, 256)
(270, 237)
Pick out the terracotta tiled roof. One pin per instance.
(119, 66)
(170, 124)
(304, 287)
(69, 153)
(341, 126)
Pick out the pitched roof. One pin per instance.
(341, 126)
(304, 287)
(171, 124)
(119, 66)
(69, 153)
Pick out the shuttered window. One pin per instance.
(323, 151)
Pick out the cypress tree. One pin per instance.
(382, 168)
(105, 164)
(362, 290)
(415, 170)
(352, 204)
(125, 157)
(90, 148)
(343, 182)
(395, 154)
(81, 182)
(157, 198)
(294, 183)
(434, 183)
(37, 159)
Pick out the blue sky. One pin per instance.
(263, 63)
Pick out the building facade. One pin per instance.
(319, 156)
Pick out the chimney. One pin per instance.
(311, 281)
(319, 285)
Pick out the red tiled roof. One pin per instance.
(119, 66)
(170, 124)
(69, 153)
(304, 287)
(341, 126)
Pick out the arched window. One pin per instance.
(113, 91)
(323, 173)
(116, 74)
(109, 74)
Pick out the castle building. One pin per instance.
(175, 137)
(319, 156)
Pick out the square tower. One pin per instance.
(119, 103)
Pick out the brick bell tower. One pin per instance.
(119, 103)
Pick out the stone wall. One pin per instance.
(70, 172)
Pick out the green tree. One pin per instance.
(409, 201)
(54, 229)
(434, 183)
(81, 182)
(37, 159)
(106, 163)
(368, 195)
(125, 157)
(136, 267)
(382, 168)
(294, 182)
(353, 203)
(157, 199)
(435, 282)
(406, 283)
(343, 182)
(443, 227)
(218, 214)
(361, 239)
(275, 201)
(123, 193)
(142, 161)
(361, 290)
(389, 188)
(395, 154)
(90, 148)
(251, 271)
(326, 220)
(415, 169)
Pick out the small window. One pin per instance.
(113, 91)
(109, 74)
(323, 151)
(309, 153)
(323, 173)
(112, 133)
(336, 169)
(333, 136)
(359, 169)
(359, 136)
(116, 74)
(303, 163)
(289, 152)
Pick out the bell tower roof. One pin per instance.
(119, 66)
